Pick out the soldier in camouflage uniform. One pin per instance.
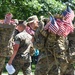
(5, 33)
(71, 52)
(23, 47)
(53, 59)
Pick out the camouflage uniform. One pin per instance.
(71, 38)
(53, 53)
(5, 33)
(23, 60)
(71, 52)
(11, 41)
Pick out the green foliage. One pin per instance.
(52, 6)
(22, 9)
(73, 4)
(33, 67)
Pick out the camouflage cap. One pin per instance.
(32, 19)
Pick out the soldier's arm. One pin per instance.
(16, 46)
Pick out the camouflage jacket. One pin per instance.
(50, 42)
(71, 39)
(24, 40)
(5, 34)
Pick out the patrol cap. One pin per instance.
(31, 19)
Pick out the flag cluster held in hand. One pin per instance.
(61, 27)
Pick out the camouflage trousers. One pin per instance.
(2, 64)
(52, 66)
(21, 64)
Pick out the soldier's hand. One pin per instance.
(10, 62)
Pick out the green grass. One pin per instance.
(33, 67)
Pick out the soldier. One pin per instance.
(5, 33)
(71, 52)
(21, 58)
(53, 59)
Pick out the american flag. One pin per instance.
(68, 28)
(61, 27)
(53, 27)
(68, 14)
(64, 27)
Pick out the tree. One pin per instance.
(22, 9)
